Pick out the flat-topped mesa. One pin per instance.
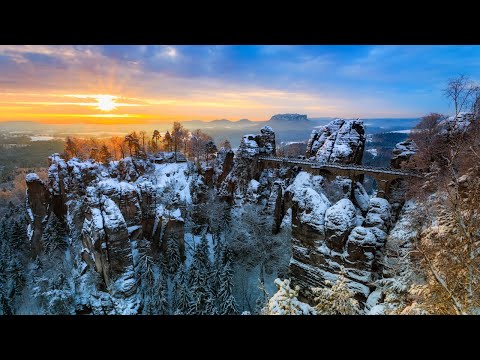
(294, 118)
(341, 141)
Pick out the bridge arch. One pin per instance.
(382, 176)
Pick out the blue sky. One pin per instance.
(234, 82)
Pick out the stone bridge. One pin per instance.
(383, 176)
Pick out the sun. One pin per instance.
(106, 102)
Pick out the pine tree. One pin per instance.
(226, 219)
(167, 139)
(203, 301)
(163, 282)
(285, 302)
(105, 155)
(71, 149)
(227, 254)
(52, 285)
(155, 137)
(4, 262)
(19, 236)
(13, 251)
(204, 253)
(228, 305)
(182, 300)
(337, 300)
(55, 235)
(173, 254)
(217, 252)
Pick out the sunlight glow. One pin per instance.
(106, 102)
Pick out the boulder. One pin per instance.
(340, 219)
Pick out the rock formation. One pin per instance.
(245, 163)
(341, 141)
(402, 153)
(109, 209)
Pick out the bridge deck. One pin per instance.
(320, 165)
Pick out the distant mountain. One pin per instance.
(287, 127)
(291, 119)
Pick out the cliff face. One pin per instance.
(110, 211)
(334, 229)
(245, 166)
(341, 141)
(329, 238)
(401, 155)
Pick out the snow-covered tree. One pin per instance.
(13, 256)
(203, 301)
(153, 286)
(55, 235)
(182, 299)
(52, 285)
(285, 302)
(173, 254)
(227, 303)
(337, 299)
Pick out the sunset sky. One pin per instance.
(113, 84)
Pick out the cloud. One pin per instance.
(233, 81)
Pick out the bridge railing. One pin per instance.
(320, 165)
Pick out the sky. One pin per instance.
(111, 84)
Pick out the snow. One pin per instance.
(131, 229)
(407, 131)
(97, 219)
(336, 141)
(30, 177)
(378, 213)
(361, 197)
(285, 302)
(312, 204)
(41, 138)
(404, 149)
(253, 186)
(460, 122)
(376, 310)
(113, 218)
(174, 175)
(248, 145)
(176, 214)
(340, 217)
(315, 205)
(362, 235)
(372, 152)
(287, 219)
(373, 299)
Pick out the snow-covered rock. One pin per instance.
(107, 209)
(361, 197)
(340, 219)
(402, 153)
(378, 214)
(341, 141)
(245, 166)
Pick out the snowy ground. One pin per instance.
(41, 138)
(373, 152)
